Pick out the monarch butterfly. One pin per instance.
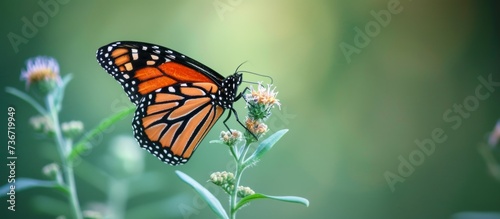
(178, 99)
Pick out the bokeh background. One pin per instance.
(349, 121)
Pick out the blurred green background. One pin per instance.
(349, 121)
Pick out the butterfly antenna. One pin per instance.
(261, 75)
(240, 66)
(254, 73)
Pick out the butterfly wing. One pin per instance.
(142, 68)
(175, 96)
(171, 122)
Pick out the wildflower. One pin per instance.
(244, 191)
(230, 137)
(53, 171)
(260, 101)
(72, 129)
(495, 135)
(256, 127)
(43, 72)
(42, 124)
(222, 178)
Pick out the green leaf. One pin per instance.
(26, 98)
(216, 142)
(292, 199)
(26, 183)
(59, 94)
(265, 146)
(82, 144)
(213, 202)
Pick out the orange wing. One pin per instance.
(142, 68)
(171, 122)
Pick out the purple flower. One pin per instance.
(41, 69)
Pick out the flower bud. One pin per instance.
(72, 129)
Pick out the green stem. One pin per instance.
(233, 198)
(234, 195)
(63, 153)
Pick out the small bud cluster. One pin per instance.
(42, 124)
(72, 129)
(244, 191)
(230, 138)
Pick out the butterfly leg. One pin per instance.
(232, 110)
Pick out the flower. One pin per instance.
(260, 101)
(53, 171)
(42, 71)
(230, 137)
(244, 191)
(42, 124)
(72, 129)
(256, 127)
(495, 135)
(222, 178)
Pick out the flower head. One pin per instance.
(256, 126)
(244, 191)
(53, 171)
(72, 129)
(495, 135)
(42, 124)
(260, 101)
(230, 137)
(42, 71)
(222, 178)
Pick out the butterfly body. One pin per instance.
(178, 99)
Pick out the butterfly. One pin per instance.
(178, 99)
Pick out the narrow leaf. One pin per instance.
(213, 202)
(82, 144)
(26, 98)
(216, 142)
(265, 146)
(26, 183)
(60, 91)
(292, 199)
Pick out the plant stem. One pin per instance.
(63, 152)
(234, 195)
(233, 198)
